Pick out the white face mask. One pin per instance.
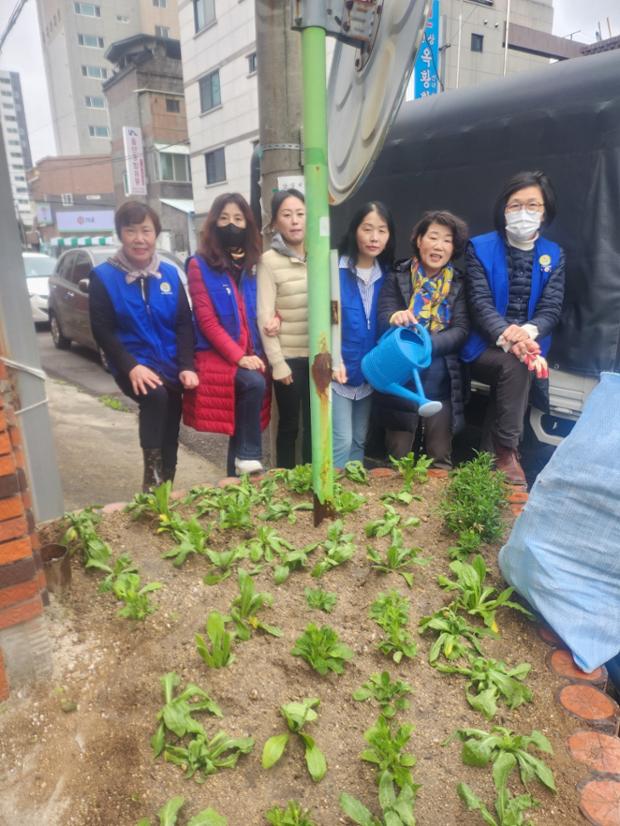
(523, 225)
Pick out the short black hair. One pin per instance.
(134, 212)
(520, 181)
(280, 197)
(348, 243)
(456, 225)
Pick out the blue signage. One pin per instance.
(426, 67)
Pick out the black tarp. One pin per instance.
(454, 150)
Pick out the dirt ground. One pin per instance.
(93, 766)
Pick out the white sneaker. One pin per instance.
(248, 466)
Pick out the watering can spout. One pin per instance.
(425, 409)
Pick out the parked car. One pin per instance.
(38, 268)
(68, 295)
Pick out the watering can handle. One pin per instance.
(419, 330)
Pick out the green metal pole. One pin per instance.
(317, 245)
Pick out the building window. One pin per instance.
(16, 155)
(66, 199)
(7, 94)
(87, 9)
(99, 131)
(19, 177)
(204, 13)
(5, 79)
(12, 130)
(159, 4)
(94, 102)
(477, 42)
(95, 71)
(173, 105)
(21, 189)
(13, 143)
(93, 41)
(252, 63)
(173, 167)
(216, 166)
(210, 95)
(122, 18)
(10, 117)
(162, 31)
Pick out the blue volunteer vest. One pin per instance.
(359, 335)
(221, 291)
(147, 330)
(490, 250)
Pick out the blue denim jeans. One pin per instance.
(245, 443)
(350, 419)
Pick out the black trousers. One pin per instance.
(158, 419)
(292, 398)
(437, 437)
(245, 443)
(509, 380)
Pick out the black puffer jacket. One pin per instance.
(396, 413)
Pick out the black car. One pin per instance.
(68, 297)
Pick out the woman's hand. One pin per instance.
(340, 374)
(514, 334)
(286, 379)
(143, 379)
(403, 318)
(251, 363)
(272, 328)
(188, 379)
(521, 349)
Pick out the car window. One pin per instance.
(38, 267)
(65, 266)
(82, 267)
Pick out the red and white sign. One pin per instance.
(134, 160)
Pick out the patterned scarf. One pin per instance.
(132, 274)
(429, 300)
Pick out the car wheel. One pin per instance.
(104, 360)
(61, 342)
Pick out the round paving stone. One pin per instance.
(599, 752)
(590, 705)
(600, 802)
(561, 662)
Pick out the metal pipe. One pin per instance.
(506, 38)
(458, 47)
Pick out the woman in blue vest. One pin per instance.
(140, 317)
(366, 253)
(515, 289)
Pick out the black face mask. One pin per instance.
(231, 236)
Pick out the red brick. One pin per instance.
(438, 473)
(34, 542)
(9, 485)
(11, 418)
(10, 508)
(16, 572)
(517, 496)
(3, 371)
(20, 458)
(19, 593)
(382, 473)
(13, 528)
(228, 480)
(7, 465)
(15, 549)
(27, 499)
(516, 509)
(5, 443)
(16, 436)
(3, 422)
(20, 613)
(4, 683)
(114, 507)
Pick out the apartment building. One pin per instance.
(15, 136)
(75, 36)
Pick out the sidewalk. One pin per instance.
(99, 457)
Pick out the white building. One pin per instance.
(15, 136)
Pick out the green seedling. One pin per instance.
(492, 681)
(468, 543)
(284, 509)
(219, 654)
(338, 548)
(126, 588)
(322, 650)
(293, 815)
(205, 500)
(82, 534)
(401, 497)
(397, 558)
(390, 520)
(474, 499)
(481, 748)
(113, 403)
(412, 471)
(177, 714)
(235, 507)
(168, 815)
(320, 600)
(397, 808)
(292, 561)
(296, 716)
(245, 608)
(391, 696)
(391, 613)
(476, 598)
(224, 561)
(297, 479)
(346, 501)
(123, 564)
(356, 472)
(154, 503)
(386, 751)
(208, 756)
(266, 545)
(191, 540)
(456, 638)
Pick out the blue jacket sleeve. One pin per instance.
(484, 316)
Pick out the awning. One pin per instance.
(84, 241)
(173, 148)
(182, 204)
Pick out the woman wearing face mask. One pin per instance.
(366, 253)
(232, 397)
(283, 321)
(515, 287)
(427, 290)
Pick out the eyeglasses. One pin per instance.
(532, 207)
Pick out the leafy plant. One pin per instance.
(391, 613)
(126, 587)
(397, 558)
(297, 479)
(153, 503)
(208, 755)
(267, 544)
(468, 542)
(291, 561)
(390, 520)
(391, 696)
(476, 598)
(122, 564)
(356, 472)
(246, 606)
(345, 500)
(296, 716)
(474, 499)
(493, 680)
(338, 549)
(191, 540)
(453, 632)
(224, 561)
(412, 471)
(293, 815)
(397, 808)
(283, 508)
(168, 815)
(176, 715)
(322, 650)
(219, 653)
(401, 497)
(385, 750)
(82, 534)
(320, 600)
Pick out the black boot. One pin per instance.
(169, 473)
(153, 470)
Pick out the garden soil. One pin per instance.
(76, 750)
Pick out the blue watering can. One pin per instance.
(399, 354)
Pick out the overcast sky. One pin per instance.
(22, 53)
